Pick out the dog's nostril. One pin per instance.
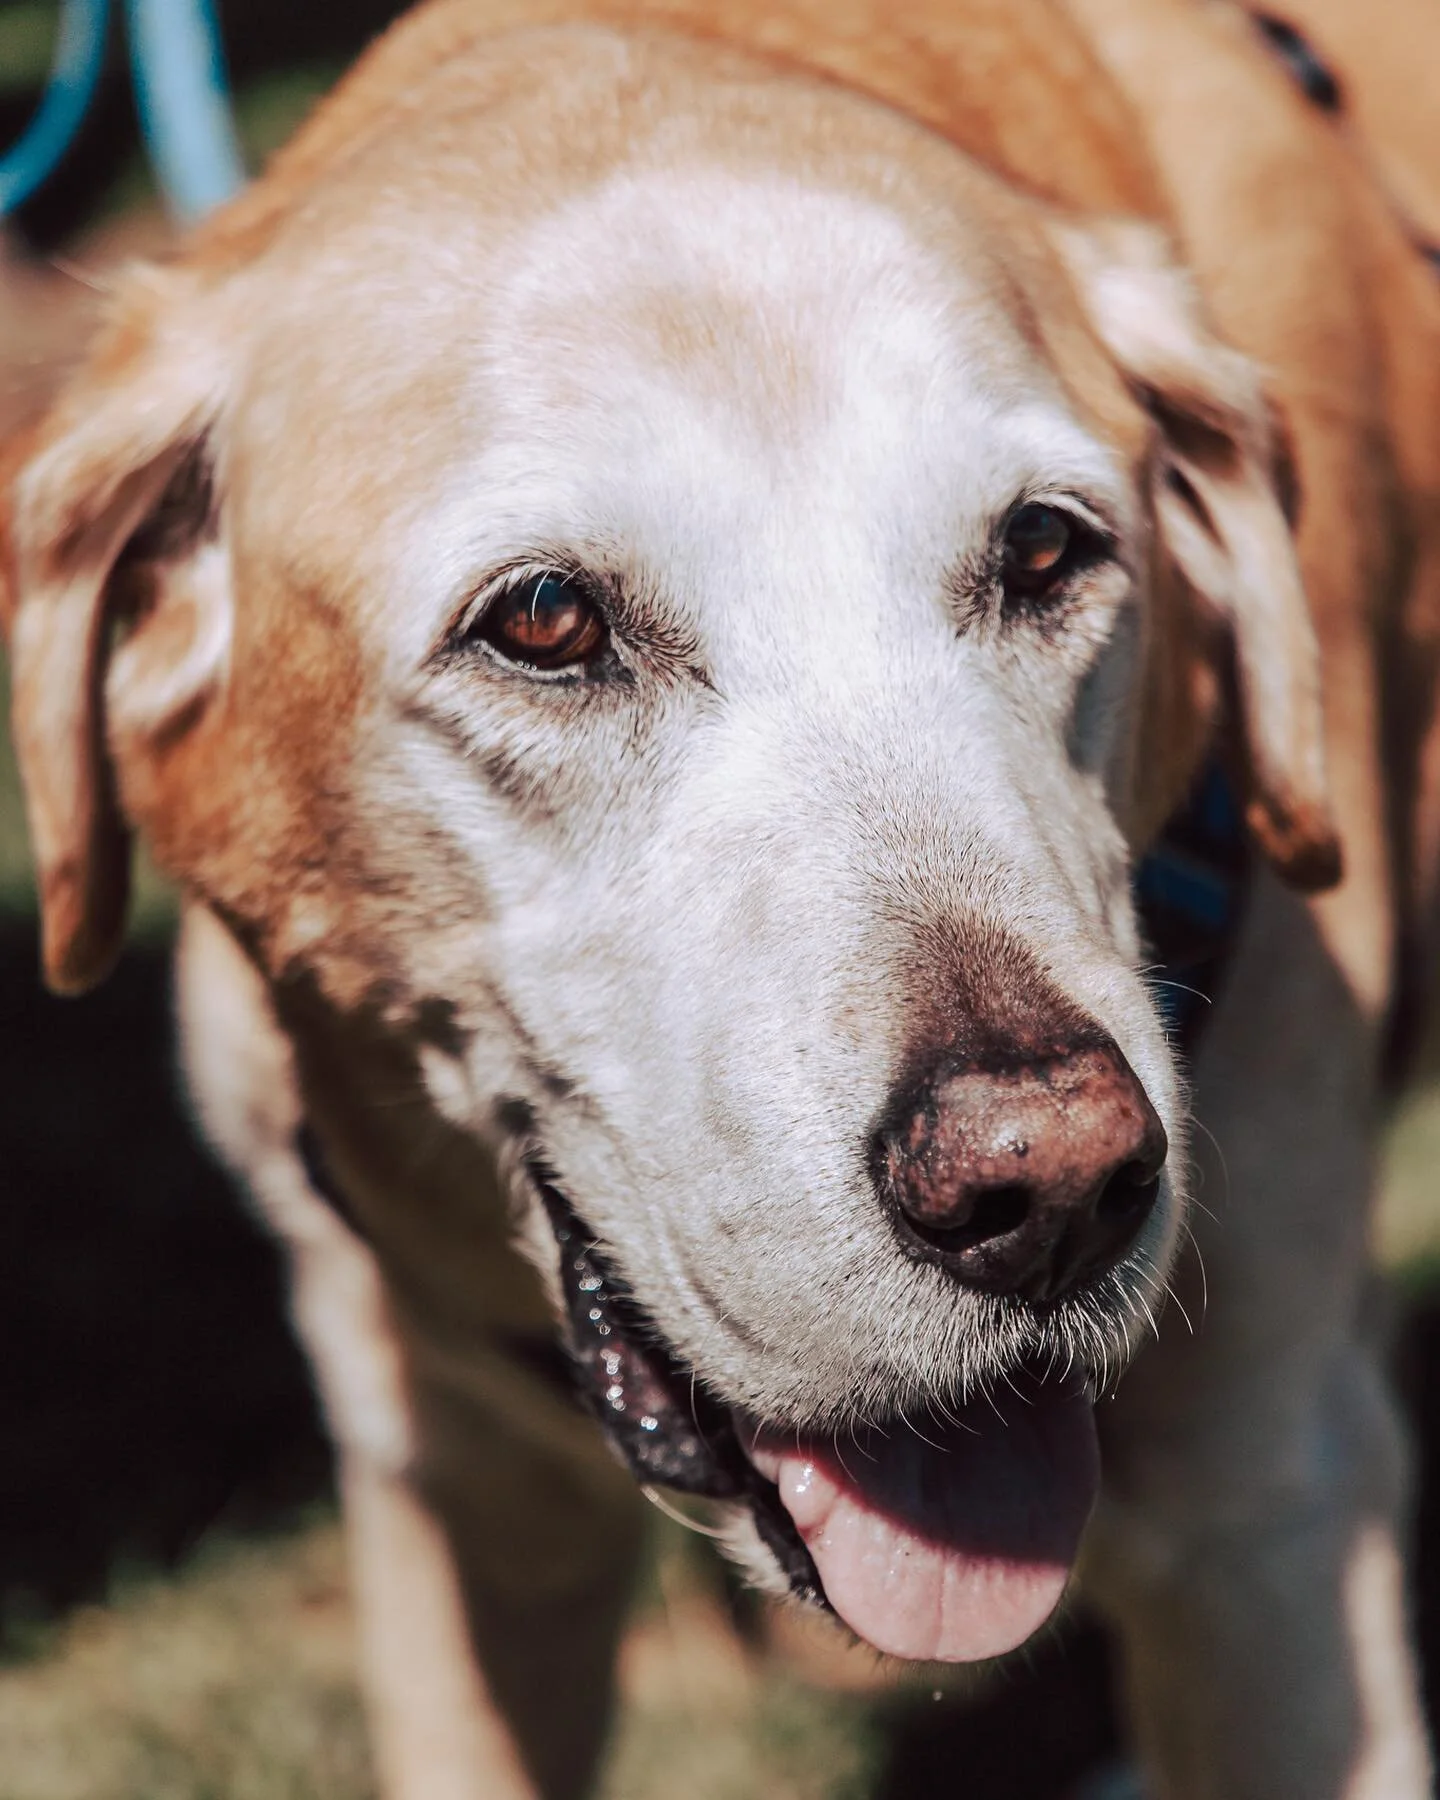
(992, 1214)
(997, 1212)
(1129, 1191)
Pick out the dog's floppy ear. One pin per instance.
(1224, 496)
(100, 504)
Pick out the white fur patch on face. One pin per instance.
(714, 895)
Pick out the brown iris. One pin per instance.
(1037, 546)
(543, 622)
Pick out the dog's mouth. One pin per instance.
(944, 1539)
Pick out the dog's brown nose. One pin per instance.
(1029, 1178)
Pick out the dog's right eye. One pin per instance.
(546, 621)
(1038, 542)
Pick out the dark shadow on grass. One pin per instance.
(1035, 1729)
(150, 1387)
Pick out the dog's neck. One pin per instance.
(427, 1196)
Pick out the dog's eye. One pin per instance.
(544, 622)
(1038, 544)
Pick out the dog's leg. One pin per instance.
(493, 1541)
(1250, 1541)
(438, 1733)
(544, 1527)
(493, 1546)
(491, 1581)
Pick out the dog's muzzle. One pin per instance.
(948, 1537)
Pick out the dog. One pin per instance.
(655, 582)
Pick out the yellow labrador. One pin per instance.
(652, 583)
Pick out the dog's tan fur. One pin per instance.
(1248, 1543)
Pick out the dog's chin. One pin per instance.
(948, 1538)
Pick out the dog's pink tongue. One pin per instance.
(949, 1550)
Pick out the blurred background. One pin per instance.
(173, 1602)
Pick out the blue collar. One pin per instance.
(1191, 890)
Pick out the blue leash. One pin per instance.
(79, 58)
(178, 65)
(179, 70)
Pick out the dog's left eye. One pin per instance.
(544, 622)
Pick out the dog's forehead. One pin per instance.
(764, 294)
(765, 320)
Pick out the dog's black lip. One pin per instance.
(666, 1425)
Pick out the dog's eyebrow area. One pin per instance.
(759, 400)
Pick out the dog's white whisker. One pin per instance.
(671, 1511)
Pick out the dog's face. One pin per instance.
(682, 644)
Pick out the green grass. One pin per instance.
(1407, 1226)
(16, 886)
(236, 1681)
